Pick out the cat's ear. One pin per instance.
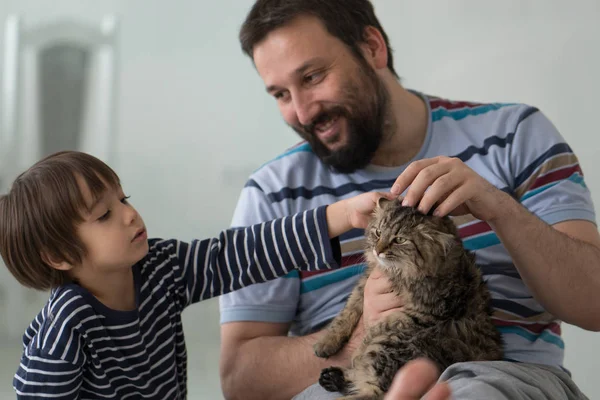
(382, 202)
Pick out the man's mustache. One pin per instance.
(322, 117)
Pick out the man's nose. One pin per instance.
(306, 109)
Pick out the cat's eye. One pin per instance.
(400, 240)
(377, 232)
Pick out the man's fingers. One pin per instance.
(383, 302)
(377, 284)
(409, 174)
(423, 181)
(414, 380)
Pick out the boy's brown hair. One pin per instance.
(40, 214)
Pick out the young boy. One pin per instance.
(112, 327)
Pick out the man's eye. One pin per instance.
(280, 95)
(312, 78)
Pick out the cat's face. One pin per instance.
(401, 238)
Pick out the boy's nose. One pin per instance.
(131, 215)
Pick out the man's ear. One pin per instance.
(373, 47)
(60, 265)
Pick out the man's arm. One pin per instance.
(564, 260)
(560, 266)
(258, 361)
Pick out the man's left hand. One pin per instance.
(452, 185)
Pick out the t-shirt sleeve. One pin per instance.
(274, 301)
(244, 256)
(53, 358)
(548, 178)
(41, 375)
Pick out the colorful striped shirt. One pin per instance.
(513, 146)
(78, 348)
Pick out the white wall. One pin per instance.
(545, 53)
(194, 119)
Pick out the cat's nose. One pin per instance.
(380, 255)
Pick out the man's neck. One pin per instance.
(116, 290)
(407, 125)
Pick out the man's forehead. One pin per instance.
(288, 48)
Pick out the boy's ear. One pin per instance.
(53, 263)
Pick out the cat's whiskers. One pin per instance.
(384, 263)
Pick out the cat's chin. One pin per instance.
(385, 263)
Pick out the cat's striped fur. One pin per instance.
(446, 314)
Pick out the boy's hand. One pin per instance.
(359, 209)
(354, 212)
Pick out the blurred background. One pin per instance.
(164, 94)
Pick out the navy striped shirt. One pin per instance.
(78, 348)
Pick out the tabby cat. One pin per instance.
(446, 315)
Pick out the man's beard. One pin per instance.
(365, 117)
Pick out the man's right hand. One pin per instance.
(379, 300)
(418, 377)
(291, 361)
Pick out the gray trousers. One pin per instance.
(492, 380)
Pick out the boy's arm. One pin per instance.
(260, 252)
(44, 376)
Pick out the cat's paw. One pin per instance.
(332, 379)
(326, 348)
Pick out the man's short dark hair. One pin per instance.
(344, 19)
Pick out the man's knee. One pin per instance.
(316, 392)
(504, 380)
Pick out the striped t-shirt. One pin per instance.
(78, 348)
(513, 146)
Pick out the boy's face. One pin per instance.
(113, 233)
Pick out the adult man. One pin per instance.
(514, 186)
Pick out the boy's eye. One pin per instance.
(104, 216)
(124, 199)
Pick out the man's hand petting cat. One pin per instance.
(449, 186)
(379, 300)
